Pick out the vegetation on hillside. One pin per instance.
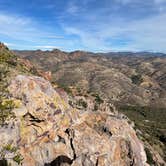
(136, 79)
(10, 66)
(126, 80)
(151, 123)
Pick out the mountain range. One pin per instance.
(81, 108)
(134, 82)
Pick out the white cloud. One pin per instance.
(25, 33)
(46, 47)
(25, 29)
(8, 20)
(54, 37)
(14, 26)
(90, 41)
(161, 5)
(72, 8)
(145, 34)
(124, 1)
(159, 1)
(9, 44)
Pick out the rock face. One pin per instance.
(47, 131)
(134, 82)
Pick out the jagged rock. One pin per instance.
(46, 75)
(47, 131)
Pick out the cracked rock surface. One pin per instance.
(48, 131)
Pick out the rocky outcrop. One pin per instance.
(46, 130)
(30, 67)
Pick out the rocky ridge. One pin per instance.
(47, 130)
(41, 124)
(134, 82)
(132, 78)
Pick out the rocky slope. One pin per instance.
(41, 125)
(133, 78)
(133, 82)
(46, 129)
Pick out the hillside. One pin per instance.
(133, 82)
(41, 125)
(125, 79)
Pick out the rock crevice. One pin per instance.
(58, 134)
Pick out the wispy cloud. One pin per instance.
(9, 44)
(72, 8)
(15, 27)
(145, 34)
(54, 37)
(124, 1)
(25, 31)
(86, 24)
(159, 1)
(90, 41)
(23, 28)
(161, 5)
(46, 47)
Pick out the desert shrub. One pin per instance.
(98, 99)
(136, 79)
(151, 122)
(149, 157)
(6, 56)
(9, 148)
(82, 103)
(95, 107)
(70, 103)
(33, 70)
(6, 106)
(18, 159)
(3, 71)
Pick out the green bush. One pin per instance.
(149, 157)
(5, 111)
(82, 103)
(136, 79)
(98, 99)
(151, 122)
(11, 149)
(18, 158)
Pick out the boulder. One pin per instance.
(48, 131)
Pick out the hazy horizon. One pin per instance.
(95, 52)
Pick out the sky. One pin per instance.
(90, 25)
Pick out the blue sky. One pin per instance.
(92, 25)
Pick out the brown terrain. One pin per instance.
(85, 125)
(134, 82)
(131, 79)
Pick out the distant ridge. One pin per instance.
(81, 52)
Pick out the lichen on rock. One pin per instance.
(47, 130)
